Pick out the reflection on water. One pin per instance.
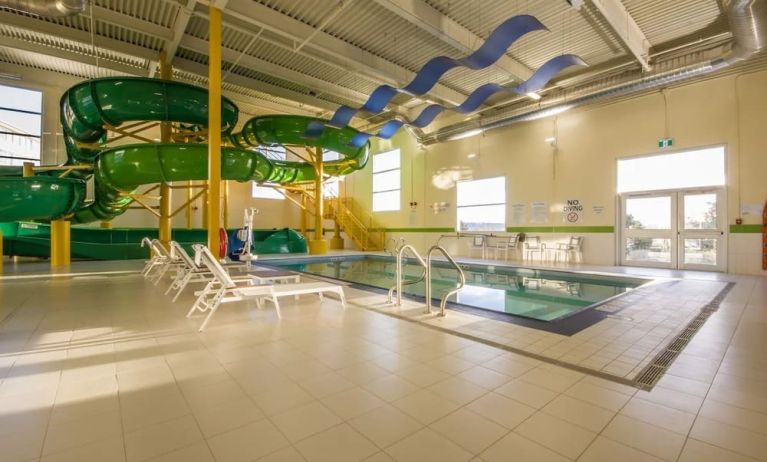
(542, 295)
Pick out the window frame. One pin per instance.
(39, 137)
(484, 204)
(375, 192)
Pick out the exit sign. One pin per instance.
(665, 143)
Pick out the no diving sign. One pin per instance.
(572, 210)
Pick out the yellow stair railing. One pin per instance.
(356, 222)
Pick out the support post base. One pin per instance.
(318, 247)
(337, 243)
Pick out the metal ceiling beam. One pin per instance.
(201, 46)
(627, 30)
(247, 82)
(179, 27)
(427, 18)
(129, 22)
(364, 62)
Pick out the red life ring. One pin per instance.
(223, 242)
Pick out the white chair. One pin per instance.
(192, 272)
(534, 245)
(570, 249)
(168, 261)
(224, 289)
(154, 258)
(504, 245)
(479, 242)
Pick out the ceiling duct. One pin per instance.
(46, 8)
(748, 24)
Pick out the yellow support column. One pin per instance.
(189, 211)
(214, 128)
(318, 246)
(337, 242)
(106, 225)
(166, 73)
(303, 213)
(60, 242)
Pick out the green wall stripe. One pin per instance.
(746, 229)
(516, 229)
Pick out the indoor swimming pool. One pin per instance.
(542, 295)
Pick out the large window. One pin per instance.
(266, 192)
(331, 185)
(20, 125)
(386, 181)
(689, 169)
(481, 205)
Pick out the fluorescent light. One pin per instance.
(471, 155)
(466, 134)
(533, 95)
(549, 112)
(550, 139)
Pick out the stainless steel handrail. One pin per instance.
(461, 279)
(398, 286)
(397, 244)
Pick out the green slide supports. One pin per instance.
(88, 107)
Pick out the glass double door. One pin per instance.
(679, 229)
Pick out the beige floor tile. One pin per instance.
(607, 450)
(326, 384)
(450, 364)
(579, 412)
(158, 439)
(698, 451)
(380, 457)
(289, 454)
(509, 365)
(391, 387)
(597, 395)
(502, 410)
(150, 406)
(527, 393)
(516, 447)
(458, 390)
(423, 375)
(82, 431)
(303, 421)
(744, 418)
(145, 378)
(484, 377)
(426, 406)
(227, 416)
(247, 443)
(385, 425)
(648, 438)
(337, 444)
(212, 393)
(109, 450)
(672, 398)
(352, 403)
(427, 446)
(21, 446)
(661, 416)
(557, 379)
(469, 430)
(363, 373)
(562, 437)
(197, 452)
(281, 399)
(728, 437)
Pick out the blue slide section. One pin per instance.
(536, 82)
(494, 47)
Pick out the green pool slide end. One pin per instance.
(89, 106)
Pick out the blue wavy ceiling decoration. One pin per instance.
(494, 47)
(536, 82)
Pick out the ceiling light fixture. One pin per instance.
(533, 95)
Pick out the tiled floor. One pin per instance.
(104, 368)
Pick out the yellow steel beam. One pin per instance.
(318, 246)
(189, 200)
(214, 127)
(166, 194)
(60, 243)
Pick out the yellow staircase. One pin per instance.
(356, 222)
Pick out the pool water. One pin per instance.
(538, 294)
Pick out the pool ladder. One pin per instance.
(426, 275)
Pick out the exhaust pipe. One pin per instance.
(46, 8)
(748, 24)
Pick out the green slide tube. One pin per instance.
(89, 106)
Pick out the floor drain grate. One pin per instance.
(651, 374)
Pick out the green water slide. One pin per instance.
(89, 108)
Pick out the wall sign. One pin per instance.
(572, 211)
(518, 212)
(598, 209)
(539, 212)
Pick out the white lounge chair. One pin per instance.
(193, 272)
(224, 289)
(159, 263)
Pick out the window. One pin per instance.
(689, 169)
(331, 185)
(481, 205)
(264, 192)
(20, 125)
(386, 181)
